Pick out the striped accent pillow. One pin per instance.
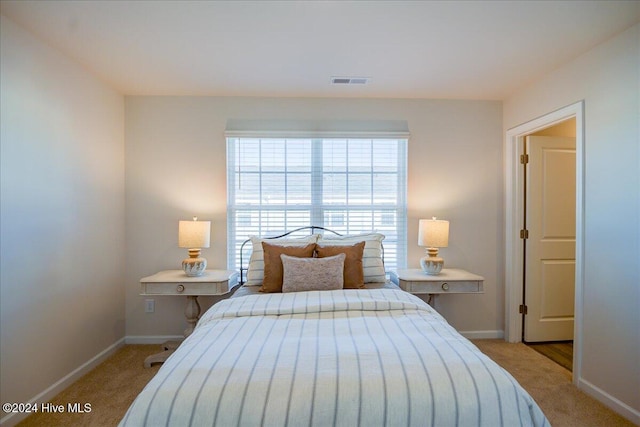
(255, 273)
(372, 264)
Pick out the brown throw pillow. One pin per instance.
(353, 270)
(272, 281)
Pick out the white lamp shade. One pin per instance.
(194, 234)
(433, 233)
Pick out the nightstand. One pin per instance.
(449, 281)
(177, 283)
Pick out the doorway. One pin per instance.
(514, 214)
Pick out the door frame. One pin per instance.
(514, 212)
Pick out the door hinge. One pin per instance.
(524, 159)
(523, 309)
(524, 233)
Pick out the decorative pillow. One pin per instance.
(312, 274)
(272, 281)
(353, 271)
(372, 263)
(255, 273)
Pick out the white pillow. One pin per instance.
(312, 274)
(372, 263)
(255, 273)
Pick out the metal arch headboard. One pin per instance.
(312, 229)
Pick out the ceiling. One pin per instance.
(408, 49)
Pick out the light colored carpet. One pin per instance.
(112, 386)
(550, 385)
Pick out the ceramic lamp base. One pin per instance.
(194, 266)
(432, 264)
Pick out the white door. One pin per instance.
(550, 246)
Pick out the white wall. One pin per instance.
(608, 79)
(62, 216)
(176, 168)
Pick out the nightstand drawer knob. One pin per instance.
(445, 286)
(180, 288)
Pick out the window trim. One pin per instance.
(292, 134)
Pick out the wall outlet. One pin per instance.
(149, 306)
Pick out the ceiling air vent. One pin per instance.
(349, 80)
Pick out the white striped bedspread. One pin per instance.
(330, 358)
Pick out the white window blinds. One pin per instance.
(350, 185)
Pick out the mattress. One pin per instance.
(368, 357)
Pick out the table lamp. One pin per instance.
(194, 235)
(433, 233)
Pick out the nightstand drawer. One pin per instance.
(441, 287)
(185, 288)
(175, 282)
(449, 281)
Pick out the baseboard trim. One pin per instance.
(605, 398)
(482, 335)
(151, 339)
(48, 394)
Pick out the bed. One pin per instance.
(368, 354)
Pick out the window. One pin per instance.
(350, 185)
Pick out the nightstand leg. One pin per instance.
(169, 347)
(192, 312)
